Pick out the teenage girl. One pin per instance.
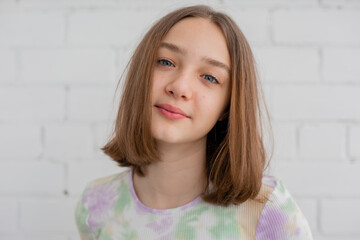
(189, 130)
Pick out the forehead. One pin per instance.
(199, 37)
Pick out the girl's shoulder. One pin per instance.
(281, 217)
(97, 201)
(108, 179)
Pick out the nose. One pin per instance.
(180, 86)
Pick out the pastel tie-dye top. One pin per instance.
(109, 209)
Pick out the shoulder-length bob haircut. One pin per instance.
(236, 157)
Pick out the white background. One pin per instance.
(60, 62)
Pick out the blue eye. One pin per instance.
(211, 79)
(166, 62)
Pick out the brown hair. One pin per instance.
(236, 156)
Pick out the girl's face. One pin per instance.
(192, 75)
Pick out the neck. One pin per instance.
(177, 179)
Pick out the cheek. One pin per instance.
(210, 105)
(156, 87)
(201, 102)
(206, 106)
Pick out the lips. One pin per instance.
(173, 109)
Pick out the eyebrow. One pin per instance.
(208, 60)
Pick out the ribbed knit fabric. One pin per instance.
(109, 209)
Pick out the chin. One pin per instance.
(169, 140)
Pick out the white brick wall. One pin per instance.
(31, 178)
(288, 65)
(316, 26)
(67, 142)
(354, 142)
(7, 66)
(20, 136)
(47, 215)
(332, 138)
(316, 102)
(22, 28)
(320, 179)
(108, 27)
(341, 65)
(69, 66)
(31, 104)
(285, 141)
(9, 215)
(332, 223)
(59, 65)
(254, 23)
(91, 103)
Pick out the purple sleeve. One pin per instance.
(82, 214)
(281, 218)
